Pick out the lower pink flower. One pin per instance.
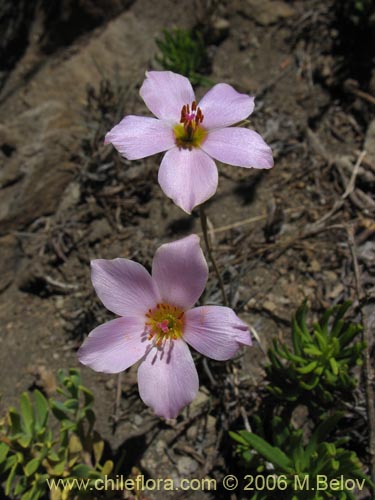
(158, 321)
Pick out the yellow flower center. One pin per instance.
(164, 322)
(189, 133)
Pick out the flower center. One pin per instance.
(189, 133)
(164, 322)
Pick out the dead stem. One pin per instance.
(368, 369)
(203, 219)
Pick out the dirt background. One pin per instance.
(69, 70)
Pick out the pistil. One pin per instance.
(164, 322)
(189, 132)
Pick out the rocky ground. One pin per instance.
(297, 231)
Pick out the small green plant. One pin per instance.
(32, 453)
(296, 467)
(184, 52)
(317, 369)
(360, 12)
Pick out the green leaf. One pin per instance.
(334, 367)
(71, 404)
(4, 448)
(84, 471)
(322, 340)
(309, 386)
(325, 320)
(87, 394)
(24, 440)
(8, 484)
(107, 468)
(340, 313)
(15, 421)
(32, 466)
(20, 488)
(59, 410)
(296, 336)
(312, 350)
(301, 321)
(308, 368)
(98, 447)
(58, 468)
(41, 410)
(269, 452)
(27, 413)
(322, 431)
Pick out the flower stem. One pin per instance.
(203, 218)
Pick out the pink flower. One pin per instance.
(157, 322)
(192, 136)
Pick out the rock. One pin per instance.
(45, 379)
(41, 112)
(197, 405)
(66, 20)
(186, 466)
(14, 27)
(39, 163)
(266, 12)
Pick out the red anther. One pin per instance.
(194, 106)
(183, 113)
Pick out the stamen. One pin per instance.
(190, 133)
(164, 322)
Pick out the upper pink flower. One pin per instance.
(192, 134)
(157, 323)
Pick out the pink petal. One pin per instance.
(124, 286)
(165, 93)
(168, 379)
(189, 177)
(215, 331)
(114, 346)
(238, 146)
(223, 106)
(180, 271)
(139, 136)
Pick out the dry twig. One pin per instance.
(367, 337)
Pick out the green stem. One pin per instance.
(203, 218)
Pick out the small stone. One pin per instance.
(269, 306)
(199, 402)
(70, 197)
(138, 420)
(186, 466)
(219, 30)
(330, 276)
(110, 384)
(315, 266)
(336, 291)
(266, 12)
